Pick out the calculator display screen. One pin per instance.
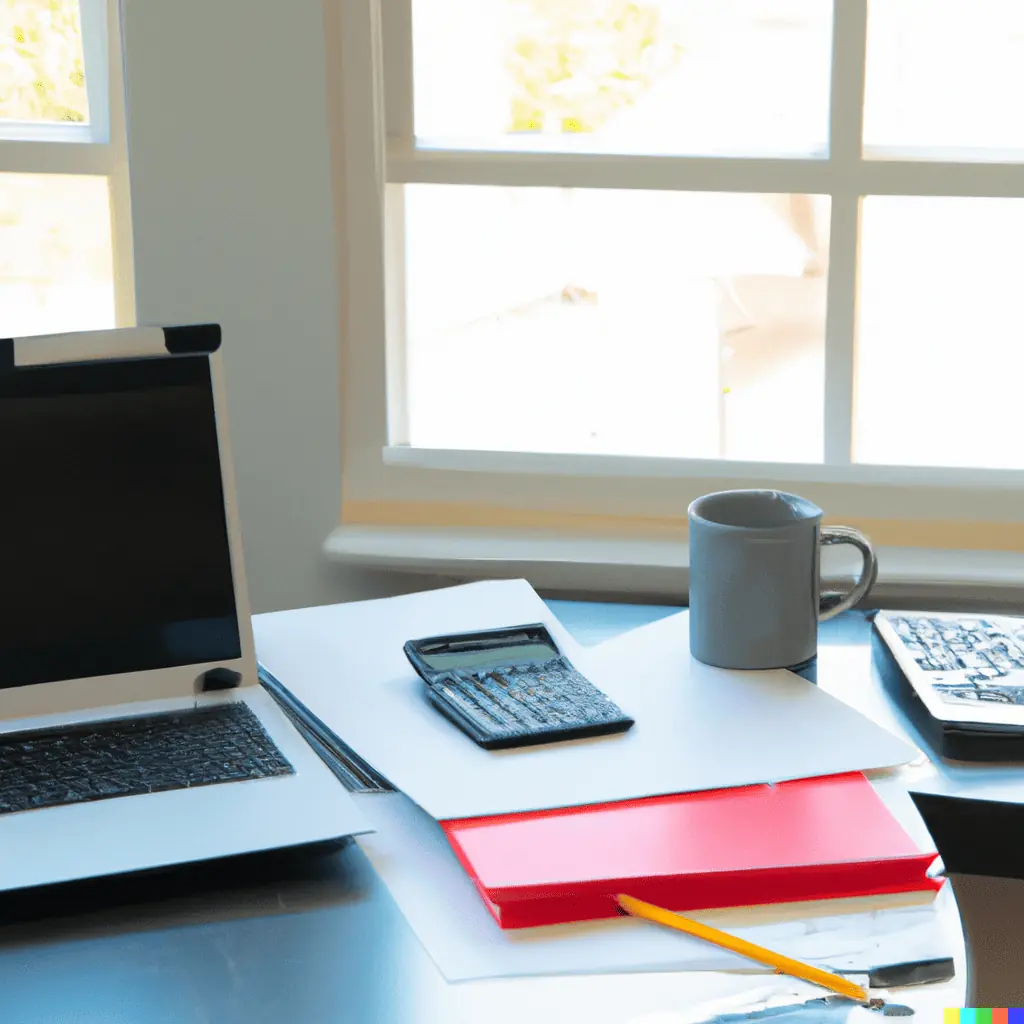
(475, 658)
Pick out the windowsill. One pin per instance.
(651, 569)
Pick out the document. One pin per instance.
(697, 727)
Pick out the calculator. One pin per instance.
(512, 687)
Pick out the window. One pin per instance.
(65, 238)
(606, 255)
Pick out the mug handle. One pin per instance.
(833, 604)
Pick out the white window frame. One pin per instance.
(395, 495)
(98, 148)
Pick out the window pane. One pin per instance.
(635, 323)
(42, 70)
(706, 77)
(945, 76)
(939, 356)
(56, 267)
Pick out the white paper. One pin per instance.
(411, 855)
(696, 727)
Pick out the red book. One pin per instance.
(809, 839)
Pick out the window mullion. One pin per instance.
(849, 49)
(96, 56)
(840, 328)
(399, 130)
(605, 170)
(116, 112)
(397, 320)
(396, 31)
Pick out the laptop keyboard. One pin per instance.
(132, 756)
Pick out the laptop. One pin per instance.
(134, 733)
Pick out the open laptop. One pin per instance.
(133, 730)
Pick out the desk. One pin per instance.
(312, 937)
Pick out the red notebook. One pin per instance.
(808, 839)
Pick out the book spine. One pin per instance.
(718, 890)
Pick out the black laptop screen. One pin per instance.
(114, 553)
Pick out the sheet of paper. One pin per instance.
(411, 855)
(697, 727)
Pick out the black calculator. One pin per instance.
(512, 688)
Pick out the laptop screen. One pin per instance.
(114, 552)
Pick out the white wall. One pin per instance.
(232, 211)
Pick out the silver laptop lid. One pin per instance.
(121, 575)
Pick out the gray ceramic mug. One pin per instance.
(755, 578)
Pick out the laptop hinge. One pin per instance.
(219, 679)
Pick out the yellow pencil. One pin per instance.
(782, 964)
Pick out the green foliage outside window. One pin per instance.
(575, 63)
(42, 70)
